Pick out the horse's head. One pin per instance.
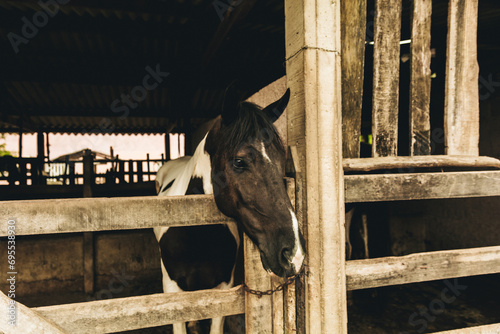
(248, 165)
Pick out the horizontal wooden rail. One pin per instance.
(422, 267)
(99, 214)
(427, 161)
(486, 329)
(412, 186)
(122, 314)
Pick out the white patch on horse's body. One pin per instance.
(299, 255)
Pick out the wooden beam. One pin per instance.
(420, 82)
(386, 51)
(123, 314)
(237, 10)
(403, 187)
(353, 16)
(258, 310)
(312, 32)
(486, 329)
(422, 267)
(461, 107)
(101, 214)
(24, 320)
(408, 163)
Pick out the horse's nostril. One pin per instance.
(286, 257)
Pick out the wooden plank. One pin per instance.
(399, 187)
(408, 163)
(123, 314)
(486, 329)
(312, 31)
(101, 214)
(461, 110)
(353, 16)
(386, 51)
(420, 82)
(258, 310)
(88, 238)
(422, 267)
(278, 307)
(25, 320)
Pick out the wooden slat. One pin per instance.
(25, 321)
(258, 310)
(386, 53)
(420, 82)
(407, 163)
(121, 314)
(100, 214)
(353, 16)
(312, 31)
(396, 187)
(461, 113)
(486, 329)
(422, 267)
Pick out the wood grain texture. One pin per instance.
(27, 321)
(102, 214)
(422, 267)
(121, 314)
(406, 163)
(386, 52)
(353, 16)
(461, 113)
(403, 187)
(312, 30)
(420, 78)
(258, 310)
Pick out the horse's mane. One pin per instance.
(251, 124)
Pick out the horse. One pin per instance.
(241, 161)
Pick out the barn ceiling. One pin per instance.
(131, 66)
(144, 66)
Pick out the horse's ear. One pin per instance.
(275, 109)
(231, 103)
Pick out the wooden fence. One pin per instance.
(314, 74)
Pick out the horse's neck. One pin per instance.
(181, 171)
(202, 166)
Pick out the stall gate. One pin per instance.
(315, 70)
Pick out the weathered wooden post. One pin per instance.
(461, 106)
(88, 237)
(312, 30)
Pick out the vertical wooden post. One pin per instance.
(139, 171)
(420, 82)
(461, 106)
(386, 51)
(312, 30)
(353, 15)
(130, 171)
(167, 147)
(258, 318)
(88, 237)
(37, 171)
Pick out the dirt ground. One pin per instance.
(414, 308)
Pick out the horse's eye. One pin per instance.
(239, 164)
